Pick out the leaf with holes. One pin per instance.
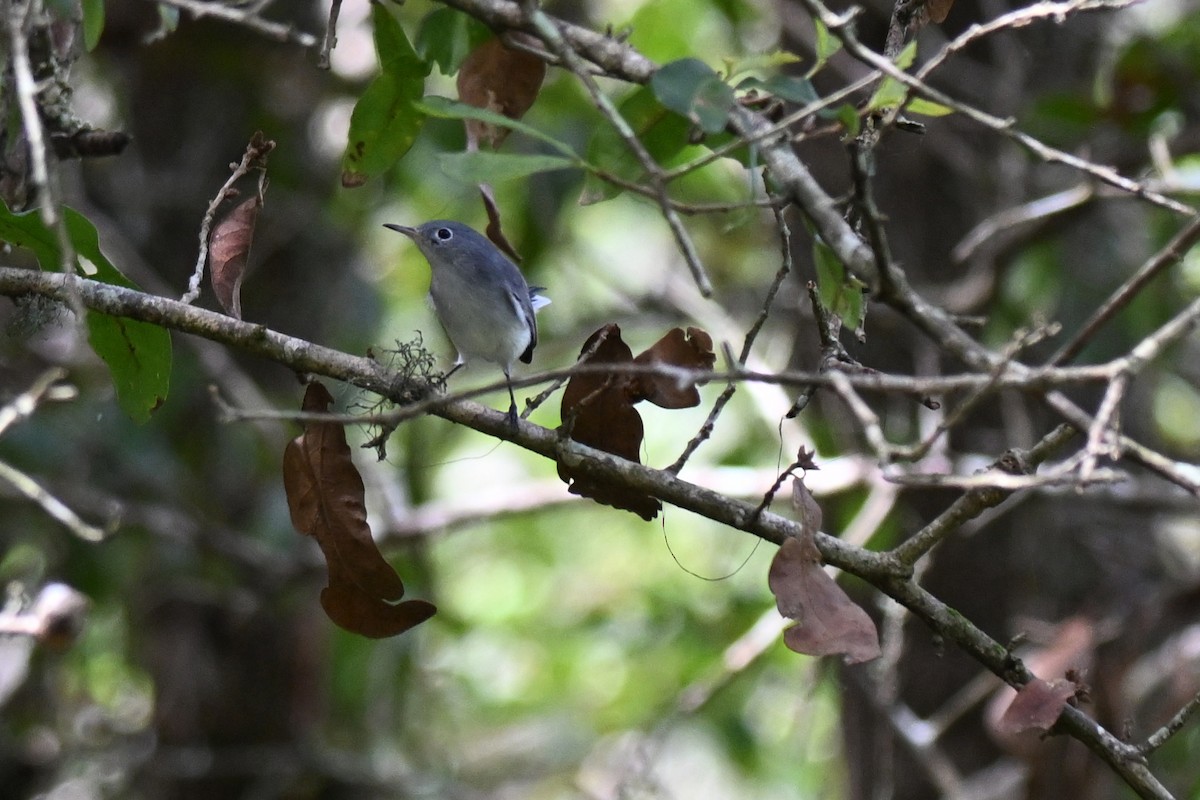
(138, 354)
(385, 120)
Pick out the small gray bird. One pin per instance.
(479, 296)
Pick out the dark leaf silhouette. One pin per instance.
(827, 620)
(494, 230)
(228, 252)
(804, 460)
(597, 411)
(690, 350)
(499, 78)
(325, 497)
(1036, 707)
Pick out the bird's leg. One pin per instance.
(454, 368)
(512, 402)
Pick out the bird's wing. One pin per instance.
(524, 304)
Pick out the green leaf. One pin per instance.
(848, 116)
(445, 108)
(447, 36)
(840, 292)
(890, 93)
(797, 90)
(772, 60)
(487, 166)
(827, 45)
(928, 108)
(907, 56)
(691, 88)
(385, 121)
(93, 23)
(664, 135)
(138, 354)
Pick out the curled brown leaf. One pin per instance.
(325, 497)
(597, 410)
(229, 252)
(828, 622)
(691, 350)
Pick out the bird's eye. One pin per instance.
(445, 234)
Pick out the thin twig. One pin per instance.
(785, 268)
(976, 501)
(19, 25)
(24, 404)
(840, 27)
(1021, 340)
(247, 18)
(1172, 253)
(1055, 12)
(1173, 726)
(254, 158)
(556, 43)
(330, 40)
(1099, 442)
(58, 510)
(1037, 210)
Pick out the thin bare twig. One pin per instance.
(254, 158)
(1172, 253)
(24, 404)
(57, 509)
(549, 33)
(247, 18)
(840, 26)
(976, 501)
(330, 40)
(1055, 12)
(19, 18)
(1173, 726)
(785, 268)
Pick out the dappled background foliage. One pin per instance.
(577, 650)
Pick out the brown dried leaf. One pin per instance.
(1070, 650)
(604, 417)
(938, 10)
(1036, 707)
(228, 252)
(353, 609)
(827, 620)
(809, 511)
(326, 499)
(691, 350)
(494, 231)
(499, 78)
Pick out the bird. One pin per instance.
(480, 297)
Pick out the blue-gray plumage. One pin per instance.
(479, 296)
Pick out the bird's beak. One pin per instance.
(407, 231)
